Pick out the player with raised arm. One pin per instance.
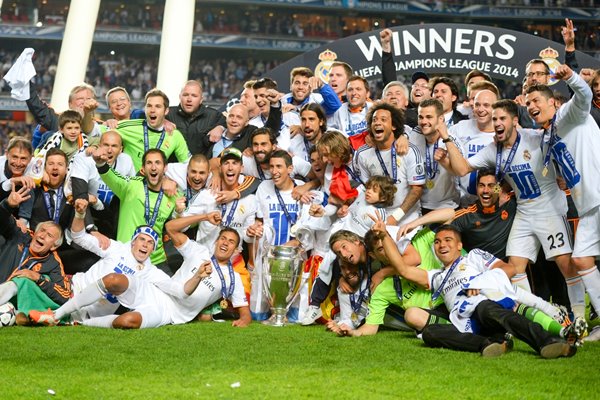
(541, 206)
(468, 284)
(573, 138)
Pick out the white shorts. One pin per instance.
(552, 232)
(587, 237)
(146, 299)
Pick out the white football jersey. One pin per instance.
(239, 218)
(349, 316)
(474, 263)
(440, 185)
(300, 147)
(208, 290)
(575, 153)
(536, 194)
(272, 213)
(117, 258)
(471, 141)
(349, 123)
(410, 171)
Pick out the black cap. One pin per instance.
(419, 75)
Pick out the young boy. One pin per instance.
(69, 138)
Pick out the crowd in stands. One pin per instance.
(420, 209)
(220, 77)
(285, 22)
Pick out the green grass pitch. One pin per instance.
(204, 360)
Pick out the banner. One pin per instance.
(436, 48)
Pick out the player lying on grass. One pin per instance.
(390, 298)
(200, 281)
(479, 324)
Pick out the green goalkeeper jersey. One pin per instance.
(132, 134)
(132, 213)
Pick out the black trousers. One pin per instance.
(494, 321)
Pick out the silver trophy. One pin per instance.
(282, 275)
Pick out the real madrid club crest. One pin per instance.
(322, 69)
(462, 267)
(549, 55)
(526, 155)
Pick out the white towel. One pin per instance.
(19, 75)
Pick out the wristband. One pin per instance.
(79, 215)
(398, 214)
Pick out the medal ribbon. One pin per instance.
(398, 287)
(152, 221)
(551, 142)
(509, 159)
(394, 165)
(438, 291)
(224, 293)
(362, 293)
(282, 204)
(147, 141)
(59, 196)
(230, 215)
(431, 166)
(353, 175)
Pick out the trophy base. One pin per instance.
(276, 320)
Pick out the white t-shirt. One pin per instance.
(536, 194)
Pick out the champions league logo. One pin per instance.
(549, 55)
(322, 69)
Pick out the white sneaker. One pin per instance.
(594, 335)
(312, 314)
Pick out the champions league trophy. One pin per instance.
(282, 275)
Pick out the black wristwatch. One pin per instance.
(448, 139)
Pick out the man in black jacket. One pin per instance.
(31, 254)
(194, 119)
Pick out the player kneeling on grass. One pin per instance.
(175, 300)
(478, 323)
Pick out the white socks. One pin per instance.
(101, 322)
(576, 292)
(531, 300)
(591, 279)
(89, 295)
(8, 290)
(521, 281)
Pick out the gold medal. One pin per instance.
(223, 304)
(354, 317)
(497, 188)
(429, 183)
(545, 171)
(140, 267)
